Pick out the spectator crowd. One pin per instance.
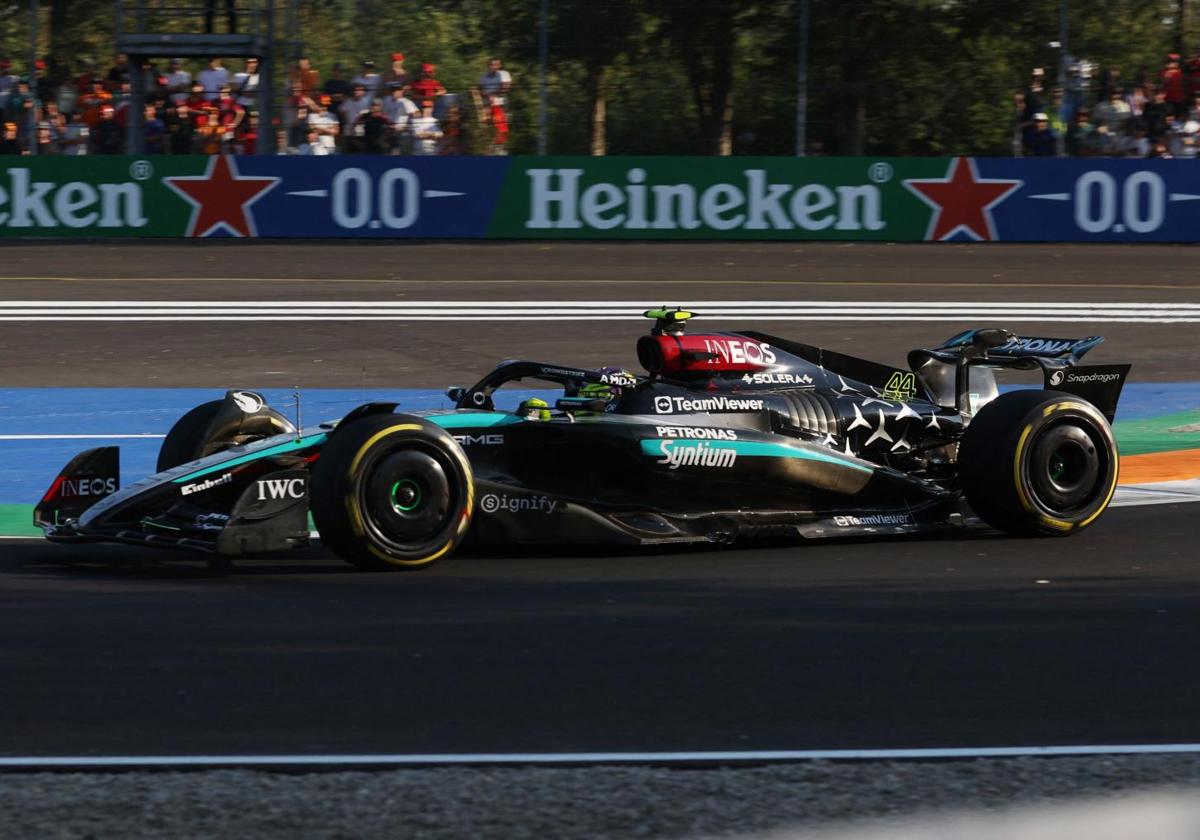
(1100, 115)
(216, 111)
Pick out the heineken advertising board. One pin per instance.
(738, 198)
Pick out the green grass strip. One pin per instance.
(17, 521)
(1159, 434)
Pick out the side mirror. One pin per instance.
(456, 394)
(990, 339)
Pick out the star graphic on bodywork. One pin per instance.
(880, 433)
(905, 411)
(846, 390)
(859, 420)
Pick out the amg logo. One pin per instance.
(207, 484)
(873, 519)
(481, 440)
(671, 405)
(280, 488)
(677, 454)
(695, 434)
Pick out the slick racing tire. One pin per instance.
(392, 492)
(1038, 463)
(193, 437)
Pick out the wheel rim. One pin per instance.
(407, 498)
(1066, 468)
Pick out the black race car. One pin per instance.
(730, 435)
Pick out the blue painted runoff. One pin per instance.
(27, 467)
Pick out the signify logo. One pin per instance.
(25, 203)
(557, 201)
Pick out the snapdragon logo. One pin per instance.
(678, 454)
(1074, 377)
(25, 203)
(558, 202)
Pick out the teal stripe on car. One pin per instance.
(757, 449)
(473, 419)
(279, 449)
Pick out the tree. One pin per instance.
(702, 36)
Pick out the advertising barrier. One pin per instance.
(736, 198)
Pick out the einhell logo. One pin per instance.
(557, 202)
(25, 203)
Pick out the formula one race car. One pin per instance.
(731, 435)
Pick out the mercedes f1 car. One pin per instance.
(728, 435)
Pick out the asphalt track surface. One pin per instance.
(423, 354)
(968, 640)
(965, 641)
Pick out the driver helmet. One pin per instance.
(603, 390)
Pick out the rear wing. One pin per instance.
(1058, 359)
(1069, 350)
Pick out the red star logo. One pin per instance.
(962, 201)
(221, 198)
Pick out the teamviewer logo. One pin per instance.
(662, 405)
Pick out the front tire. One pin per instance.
(392, 492)
(197, 434)
(1038, 463)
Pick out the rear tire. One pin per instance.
(1038, 463)
(392, 492)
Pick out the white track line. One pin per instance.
(598, 304)
(79, 437)
(681, 757)
(893, 319)
(36, 311)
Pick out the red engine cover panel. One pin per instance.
(716, 353)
